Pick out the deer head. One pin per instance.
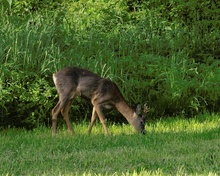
(139, 118)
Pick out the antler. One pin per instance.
(146, 108)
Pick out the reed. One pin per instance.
(150, 58)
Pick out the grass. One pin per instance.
(170, 147)
(169, 65)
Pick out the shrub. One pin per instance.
(26, 98)
(148, 48)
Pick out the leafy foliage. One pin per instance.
(164, 53)
(25, 98)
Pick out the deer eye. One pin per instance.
(142, 124)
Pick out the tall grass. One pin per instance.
(150, 58)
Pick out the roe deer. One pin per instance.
(103, 93)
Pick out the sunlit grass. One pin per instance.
(197, 124)
(170, 147)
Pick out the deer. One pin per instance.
(103, 93)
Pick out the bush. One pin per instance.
(26, 98)
(148, 48)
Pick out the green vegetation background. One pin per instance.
(165, 53)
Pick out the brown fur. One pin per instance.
(103, 93)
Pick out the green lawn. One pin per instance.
(170, 147)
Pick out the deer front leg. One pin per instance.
(93, 118)
(101, 118)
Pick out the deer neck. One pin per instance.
(125, 110)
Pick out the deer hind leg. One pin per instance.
(93, 118)
(55, 113)
(56, 110)
(64, 112)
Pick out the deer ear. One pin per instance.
(143, 119)
(138, 108)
